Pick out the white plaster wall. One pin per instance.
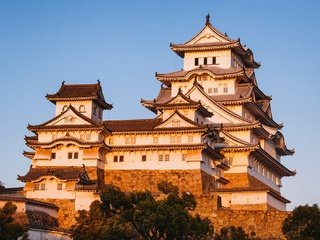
(242, 198)
(84, 199)
(272, 201)
(239, 162)
(39, 234)
(223, 58)
(133, 160)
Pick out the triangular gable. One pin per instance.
(180, 98)
(70, 116)
(220, 113)
(233, 141)
(177, 120)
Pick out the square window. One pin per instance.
(115, 158)
(37, 186)
(209, 90)
(75, 155)
(166, 157)
(215, 90)
(53, 155)
(160, 158)
(121, 158)
(144, 158)
(59, 186)
(42, 186)
(69, 155)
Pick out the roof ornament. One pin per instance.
(63, 82)
(98, 81)
(208, 19)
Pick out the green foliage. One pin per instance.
(303, 223)
(138, 215)
(232, 233)
(9, 229)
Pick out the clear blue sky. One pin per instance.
(123, 43)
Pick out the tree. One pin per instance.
(303, 223)
(232, 233)
(138, 215)
(9, 229)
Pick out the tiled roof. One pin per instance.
(132, 125)
(62, 173)
(211, 68)
(81, 92)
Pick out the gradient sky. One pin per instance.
(123, 43)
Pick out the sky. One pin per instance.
(123, 44)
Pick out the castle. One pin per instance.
(213, 134)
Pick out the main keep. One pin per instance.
(213, 135)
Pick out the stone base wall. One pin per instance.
(66, 214)
(194, 181)
(264, 224)
(238, 180)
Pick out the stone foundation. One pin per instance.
(66, 214)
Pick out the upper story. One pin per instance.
(87, 99)
(211, 48)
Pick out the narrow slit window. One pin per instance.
(196, 61)
(205, 61)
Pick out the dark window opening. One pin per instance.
(144, 158)
(115, 158)
(53, 155)
(196, 61)
(70, 155)
(75, 156)
(205, 61)
(214, 60)
(121, 159)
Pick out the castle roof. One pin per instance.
(210, 39)
(80, 92)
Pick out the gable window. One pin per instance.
(40, 186)
(176, 123)
(144, 158)
(59, 186)
(69, 155)
(75, 155)
(205, 60)
(214, 60)
(196, 61)
(82, 108)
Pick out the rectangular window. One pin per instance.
(155, 139)
(42, 186)
(121, 158)
(75, 155)
(183, 157)
(209, 90)
(172, 139)
(166, 157)
(160, 158)
(178, 139)
(53, 155)
(214, 60)
(133, 140)
(88, 136)
(205, 61)
(144, 158)
(59, 186)
(190, 138)
(69, 155)
(82, 137)
(115, 158)
(215, 90)
(127, 140)
(225, 88)
(196, 61)
(37, 186)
